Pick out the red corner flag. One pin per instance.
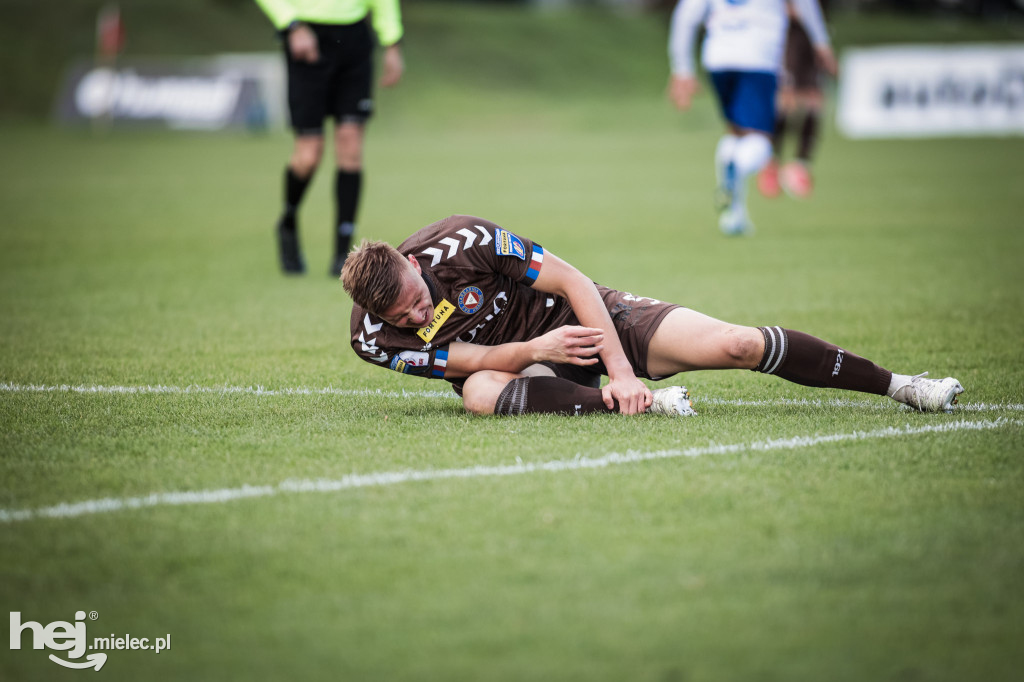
(109, 31)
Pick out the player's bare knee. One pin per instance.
(743, 346)
(480, 393)
(476, 404)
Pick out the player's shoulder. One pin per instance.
(458, 227)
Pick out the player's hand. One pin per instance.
(632, 395)
(394, 66)
(569, 345)
(681, 90)
(303, 45)
(827, 60)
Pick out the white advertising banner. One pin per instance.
(211, 93)
(932, 91)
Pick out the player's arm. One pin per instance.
(686, 18)
(568, 345)
(560, 278)
(808, 13)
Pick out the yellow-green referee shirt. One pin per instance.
(387, 19)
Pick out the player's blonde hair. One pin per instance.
(372, 275)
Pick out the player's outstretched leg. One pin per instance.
(810, 361)
(688, 340)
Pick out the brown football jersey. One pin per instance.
(480, 277)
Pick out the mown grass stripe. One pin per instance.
(383, 478)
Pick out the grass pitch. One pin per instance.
(739, 545)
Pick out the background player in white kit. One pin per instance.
(742, 53)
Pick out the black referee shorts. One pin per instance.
(338, 85)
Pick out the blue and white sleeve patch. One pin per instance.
(411, 362)
(507, 244)
(536, 261)
(440, 363)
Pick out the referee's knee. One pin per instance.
(306, 157)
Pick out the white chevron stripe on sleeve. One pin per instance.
(371, 328)
(470, 236)
(486, 233)
(453, 245)
(435, 255)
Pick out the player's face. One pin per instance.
(413, 309)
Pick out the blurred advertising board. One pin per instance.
(932, 91)
(213, 93)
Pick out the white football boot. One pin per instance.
(929, 395)
(674, 401)
(734, 222)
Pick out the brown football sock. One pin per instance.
(809, 361)
(549, 395)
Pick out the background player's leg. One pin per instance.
(753, 152)
(795, 177)
(348, 149)
(768, 179)
(724, 152)
(750, 110)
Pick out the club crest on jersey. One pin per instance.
(442, 312)
(470, 300)
(507, 244)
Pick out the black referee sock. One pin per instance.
(347, 189)
(809, 361)
(549, 395)
(294, 189)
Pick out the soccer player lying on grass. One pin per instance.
(515, 329)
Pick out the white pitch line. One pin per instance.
(359, 392)
(384, 478)
(160, 389)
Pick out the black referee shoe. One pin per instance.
(288, 249)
